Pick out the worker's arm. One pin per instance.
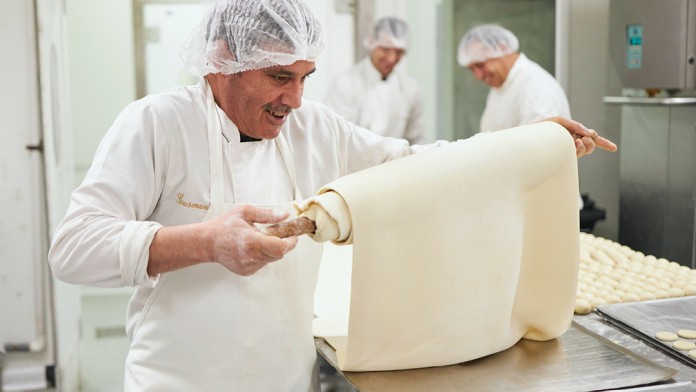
(231, 239)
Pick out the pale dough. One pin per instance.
(442, 237)
(614, 273)
(331, 215)
(687, 333)
(683, 345)
(582, 306)
(692, 354)
(666, 336)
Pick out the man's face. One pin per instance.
(258, 102)
(385, 59)
(492, 72)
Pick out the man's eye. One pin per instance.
(280, 78)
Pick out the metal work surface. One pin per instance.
(645, 319)
(580, 360)
(598, 325)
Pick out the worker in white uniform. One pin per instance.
(172, 202)
(522, 92)
(374, 93)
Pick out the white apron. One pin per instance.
(205, 328)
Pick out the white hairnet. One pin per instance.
(244, 35)
(390, 33)
(484, 42)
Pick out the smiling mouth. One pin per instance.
(278, 112)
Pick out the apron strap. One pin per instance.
(282, 145)
(214, 128)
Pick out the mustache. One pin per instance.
(279, 109)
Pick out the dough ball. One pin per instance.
(637, 290)
(613, 299)
(582, 306)
(692, 354)
(689, 289)
(596, 301)
(647, 296)
(621, 293)
(584, 296)
(675, 292)
(666, 336)
(630, 297)
(683, 345)
(687, 333)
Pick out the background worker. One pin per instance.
(374, 94)
(177, 187)
(522, 92)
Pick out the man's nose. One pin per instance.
(478, 73)
(392, 57)
(292, 96)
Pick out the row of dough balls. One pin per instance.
(614, 273)
(678, 344)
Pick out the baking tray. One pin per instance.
(644, 319)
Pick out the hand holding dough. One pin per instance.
(331, 215)
(289, 228)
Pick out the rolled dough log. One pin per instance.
(461, 251)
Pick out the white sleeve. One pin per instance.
(104, 238)
(340, 98)
(541, 103)
(414, 132)
(360, 148)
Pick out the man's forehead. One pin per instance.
(300, 67)
(391, 48)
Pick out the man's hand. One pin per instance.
(585, 139)
(231, 239)
(240, 246)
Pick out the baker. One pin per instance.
(374, 93)
(522, 92)
(180, 185)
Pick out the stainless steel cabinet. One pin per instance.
(658, 177)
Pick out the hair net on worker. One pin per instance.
(390, 33)
(244, 35)
(485, 42)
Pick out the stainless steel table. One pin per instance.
(592, 355)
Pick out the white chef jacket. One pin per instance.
(391, 107)
(152, 170)
(529, 94)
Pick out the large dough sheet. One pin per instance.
(460, 251)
